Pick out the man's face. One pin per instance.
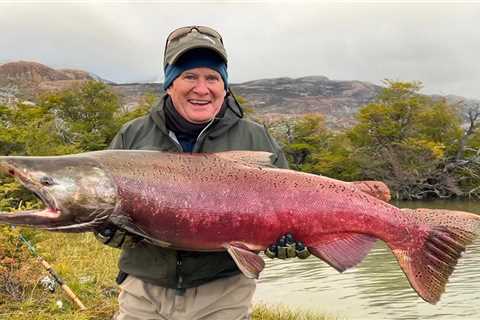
(198, 94)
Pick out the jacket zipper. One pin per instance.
(180, 291)
(196, 146)
(174, 139)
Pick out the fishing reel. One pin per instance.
(49, 283)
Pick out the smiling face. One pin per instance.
(198, 94)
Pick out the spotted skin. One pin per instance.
(232, 201)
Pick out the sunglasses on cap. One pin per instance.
(181, 32)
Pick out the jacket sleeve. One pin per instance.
(280, 159)
(117, 141)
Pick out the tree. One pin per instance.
(406, 139)
(84, 116)
(473, 119)
(337, 159)
(307, 138)
(70, 121)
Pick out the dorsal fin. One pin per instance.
(377, 189)
(248, 158)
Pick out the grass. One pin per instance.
(265, 312)
(87, 266)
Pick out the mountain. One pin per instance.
(338, 101)
(24, 80)
(26, 73)
(271, 99)
(35, 72)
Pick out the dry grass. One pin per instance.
(87, 266)
(264, 312)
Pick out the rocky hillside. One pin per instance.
(280, 97)
(24, 80)
(34, 72)
(271, 99)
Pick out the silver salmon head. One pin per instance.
(77, 193)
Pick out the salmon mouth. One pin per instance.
(47, 213)
(56, 213)
(43, 217)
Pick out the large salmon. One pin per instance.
(234, 201)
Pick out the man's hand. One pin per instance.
(116, 237)
(287, 247)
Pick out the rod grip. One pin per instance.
(72, 296)
(62, 284)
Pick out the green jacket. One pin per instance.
(182, 269)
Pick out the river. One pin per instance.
(376, 288)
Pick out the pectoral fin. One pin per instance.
(247, 261)
(127, 224)
(343, 250)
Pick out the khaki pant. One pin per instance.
(224, 299)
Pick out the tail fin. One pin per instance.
(429, 265)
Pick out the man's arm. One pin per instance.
(280, 160)
(117, 141)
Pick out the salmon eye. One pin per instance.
(46, 181)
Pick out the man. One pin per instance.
(198, 114)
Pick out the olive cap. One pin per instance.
(184, 39)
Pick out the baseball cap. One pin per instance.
(196, 58)
(184, 39)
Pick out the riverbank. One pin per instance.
(87, 266)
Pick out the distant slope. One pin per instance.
(23, 80)
(286, 97)
(337, 100)
(271, 99)
(34, 72)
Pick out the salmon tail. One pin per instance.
(429, 265)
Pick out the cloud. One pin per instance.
(436, 43)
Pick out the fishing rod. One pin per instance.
(58, 280)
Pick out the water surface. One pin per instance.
(376, 288)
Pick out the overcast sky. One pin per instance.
(435, 42)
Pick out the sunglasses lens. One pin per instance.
(186, 30)
(210, 32)
(179, 33)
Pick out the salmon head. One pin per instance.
(78, 195)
